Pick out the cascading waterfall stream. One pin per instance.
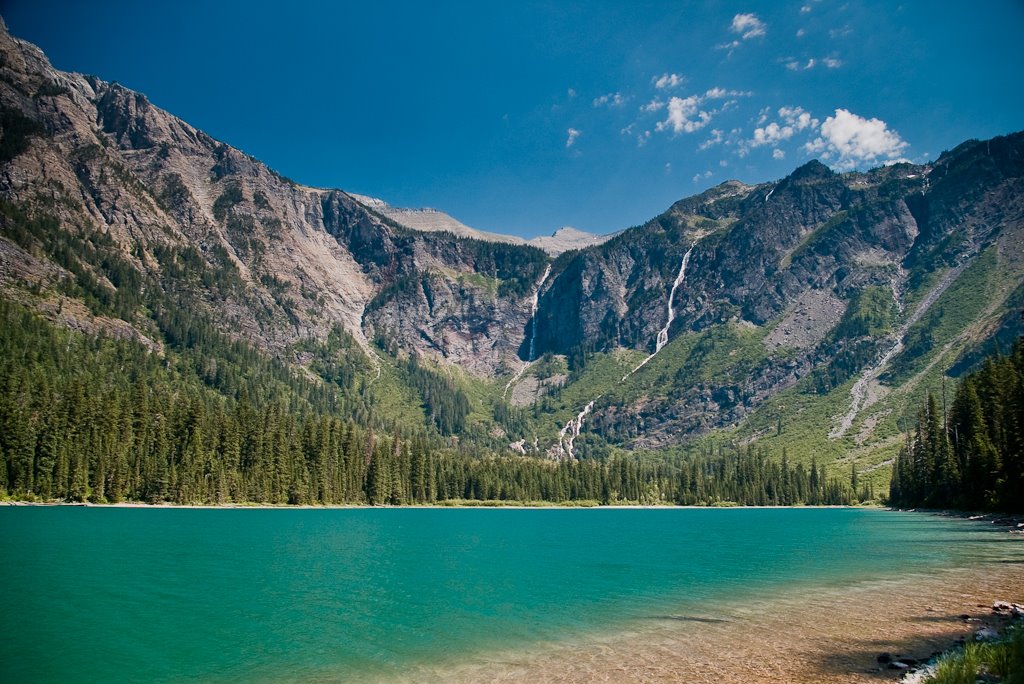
(574, 426)
(663, 333)
(533, 332)
(568, 434)
(662, 338)
(533, 315)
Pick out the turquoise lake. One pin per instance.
(123, 594)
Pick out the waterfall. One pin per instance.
(662, 338)
(663, 333)
(533, 332)
(568, 434)
(533, 316)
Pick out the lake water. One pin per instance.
(116, 594)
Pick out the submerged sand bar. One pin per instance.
(832, 636)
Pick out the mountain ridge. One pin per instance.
(433, 220)
(801, 286)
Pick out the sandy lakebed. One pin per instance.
(832, 636)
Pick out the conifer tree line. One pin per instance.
(969, 457)
(89, 418)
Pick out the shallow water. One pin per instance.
(229, 595)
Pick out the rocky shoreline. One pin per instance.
(1014, 522)
(988, 627)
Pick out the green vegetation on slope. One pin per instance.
(870, 312)
(957, 308)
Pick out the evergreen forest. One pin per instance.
(969, 456)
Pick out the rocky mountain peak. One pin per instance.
(811, 172)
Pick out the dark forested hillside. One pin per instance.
(971, 456)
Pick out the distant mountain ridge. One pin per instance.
(432, 220)
(802, 313)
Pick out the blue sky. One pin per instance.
(522, 117)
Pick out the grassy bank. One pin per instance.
(996, 661)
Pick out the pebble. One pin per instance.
(1015, 610)
(986, 634)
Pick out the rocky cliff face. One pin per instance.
(789, 258)
(104, 161)
(757, 250)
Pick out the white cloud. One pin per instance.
(840, 32)
(848, 141)
(772, 134)
(700, 176)
(571, 93)
(653, 106)
(666, 81)
(717, 93)
(805, 9)
(800, 33)
(642, 138)
(792, 120)
(692, 113)
(610, 100)
(797, 118)
(748, 26)
(573, 134)
(684, 115)
(796, 65)
(715, 139)
(668, 167)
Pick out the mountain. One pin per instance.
(567, 238)
(432, 220)
(810, 313)
(289, 262)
